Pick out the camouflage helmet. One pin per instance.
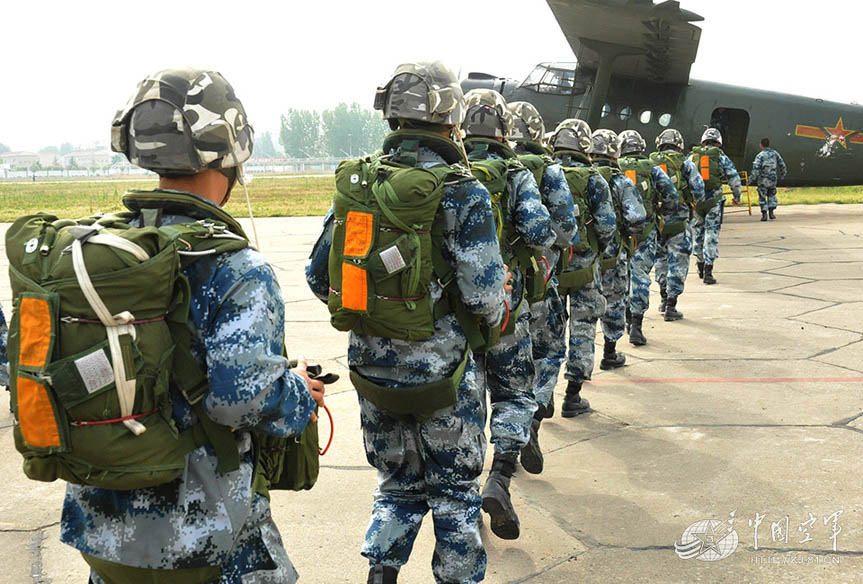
(604, 143)
(669, 137)
(426, 91)
(527, 122)
(711, 135)
(631, 142)
(183, 121)
(487, 114)
(572, 134)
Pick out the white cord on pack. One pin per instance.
(242, 178)
(116, 325)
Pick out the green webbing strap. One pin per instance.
(669, 230)
(221, 438)
(606, 264)
(575, 280)
(113, 573)
(419, 401)
(645, 233)
(385, 193)
(704, 207)
(514, 313)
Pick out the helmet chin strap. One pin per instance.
(241, 177)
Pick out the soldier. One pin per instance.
(547, 313)
(580, 273)
(525, 229)
(630, 218)
(422, 408)
(767, 170)
(675, 241)
(714, 167)
(660, 202)
(205, 525)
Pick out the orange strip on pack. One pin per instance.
(355, 288)
(35, 414)
(359, 233)
(664, 168)
(35, 324)
(705, 167)
(630, 174)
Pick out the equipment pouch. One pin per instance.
(393, 259)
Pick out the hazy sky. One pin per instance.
(68, 66)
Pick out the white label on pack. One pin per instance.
(355, 178)
(392, 259)
(31, 245)
(95, 370)
(645, 185)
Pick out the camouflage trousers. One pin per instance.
(586, 306)
(705, 231)
(615, 285)
(639, 272)
(434, 466)
(548, 336)
(509, 373)
(258, 557)
(767, 198)
(672, 262)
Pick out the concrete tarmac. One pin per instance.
(748, 412)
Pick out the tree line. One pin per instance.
(341, 132)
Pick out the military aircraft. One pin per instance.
(632, 72)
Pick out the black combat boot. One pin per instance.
(546, 411)
(700, 270)
(764, 215)
(611, 359)
(772, 214)
(496, 500)
(531, 455)
(382, 575)
(664, 295)
(636, 337)
(708, 274)
(573, 403)
(671, 312)
(628, 320)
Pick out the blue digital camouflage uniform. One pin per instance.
(767, 170)
(548, 317)
(645, 253)
(509, 369)
(706, 229)
(615, 280)
(4, 359)
(672, 254)
(435, 464)
(588, 304)
(205, 518)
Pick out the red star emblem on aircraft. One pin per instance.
(839, 133)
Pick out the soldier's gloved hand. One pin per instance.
(507, 281)
(316, 386)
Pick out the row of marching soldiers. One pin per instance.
(450, 257)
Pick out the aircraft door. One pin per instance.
(733, 124)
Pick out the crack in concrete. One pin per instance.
(28, 529)
(858, 371)
(834, 349)
(548, 568)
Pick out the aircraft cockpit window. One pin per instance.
(625, 113)
(645, 117)
(664, 120)
(545, 79)
(535, 76)
(606, 109)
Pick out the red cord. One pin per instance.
(79, 423)
(505, 320)
(332, 432)
(544, 260)
(570, 253)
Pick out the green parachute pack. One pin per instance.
(706, 159)
(624, 241)
(386, 250)
(99, 344)
(638, 171)
(578, 178)
(671, 163)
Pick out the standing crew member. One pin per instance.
(675, 241)
(580, 275)
(714, 167)
(547, 312)
(767, 170)
(409, 262)
(524, 228)
(630, 218)
(189, 127)
(660, 202)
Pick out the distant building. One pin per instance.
(19, 159)
(88, 158)
(47, 159)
